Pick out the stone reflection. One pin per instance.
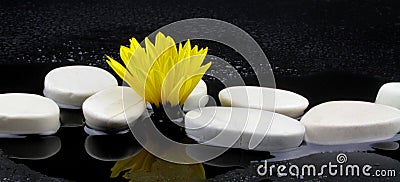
(147, 167)
(111, 147)
(31, 148)
(385, 145)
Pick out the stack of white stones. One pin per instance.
(330, 123)
(105, 105)
(70, 86)
(255, 118)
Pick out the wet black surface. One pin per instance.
(323, 49)
(10, 171)
(298, 37)
(82, 157)
(378, 162)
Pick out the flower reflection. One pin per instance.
(147, 167)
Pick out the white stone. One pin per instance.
(389, 94)
(276, 100)
(198, 98)
(28, 114)
(344, 122)
(244, 128)
(112, 108)
(69, 86)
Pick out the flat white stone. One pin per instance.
(198, 98)
(70, 86)
(244, 128)
(276, 100)
(389, 94)
(344, 122)
(111, 109)
(28, 114)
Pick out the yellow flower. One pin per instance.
(146, 167)
(161, 73)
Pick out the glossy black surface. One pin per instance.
(298, 37)
(323, 49)
(82, 157)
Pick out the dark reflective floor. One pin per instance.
(325, 50)
(73, 154)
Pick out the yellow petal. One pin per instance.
(150, 49)
(161, 72)
(134, 44)
(125, 54)
(189, 86)
(118, 68)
